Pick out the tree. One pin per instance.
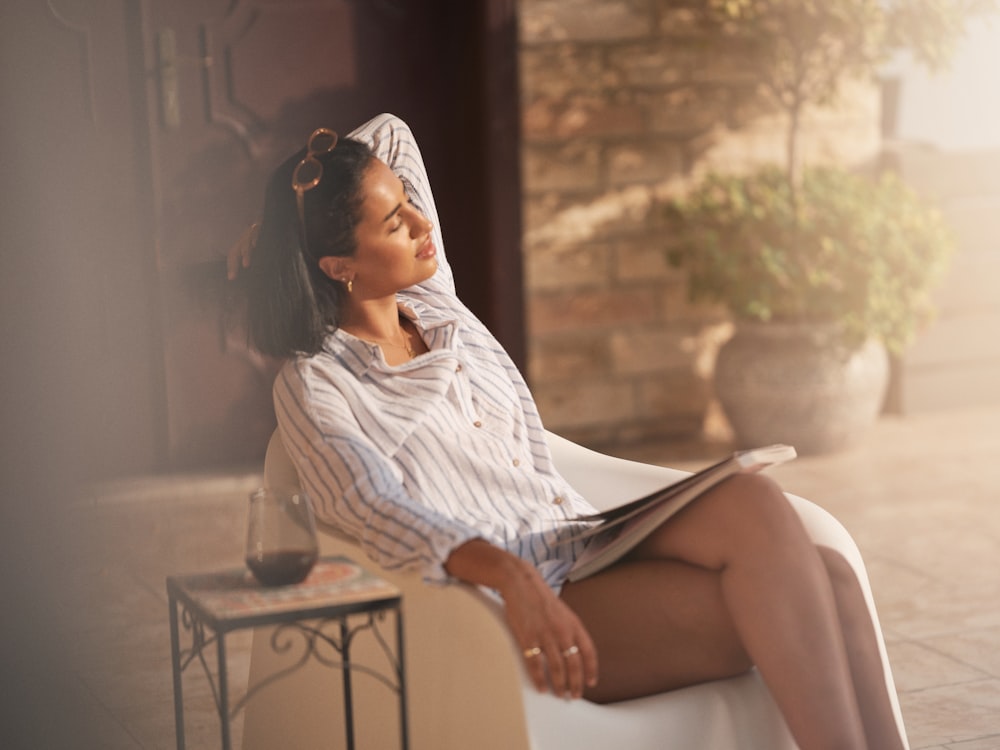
(802, 51)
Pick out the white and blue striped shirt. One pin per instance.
(413, 460)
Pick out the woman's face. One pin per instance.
(394, 245)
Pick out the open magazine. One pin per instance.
(621, 528)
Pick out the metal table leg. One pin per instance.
(345, 640)
(220, 650)
(175, 657)
(404, 735)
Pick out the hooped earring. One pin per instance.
(350, 285)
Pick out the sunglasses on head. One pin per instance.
(309, 172)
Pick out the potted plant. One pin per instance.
(821, 268)
(819, 285)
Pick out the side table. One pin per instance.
(337, 601)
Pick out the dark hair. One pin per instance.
(291, 304)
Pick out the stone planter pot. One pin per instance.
(796, 384)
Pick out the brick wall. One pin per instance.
(623, 105)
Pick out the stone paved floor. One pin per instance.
(921, 496)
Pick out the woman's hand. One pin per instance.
(556, 648)
(238, 255)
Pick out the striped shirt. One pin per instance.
(414, 460)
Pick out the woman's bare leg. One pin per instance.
(769, 600)
(657, 625)
(862, 653)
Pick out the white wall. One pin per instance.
(958, 109)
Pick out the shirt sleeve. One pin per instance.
(353, 485)
(392, 141)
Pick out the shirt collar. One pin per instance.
(438, 329)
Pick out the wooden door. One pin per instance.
(233, 88)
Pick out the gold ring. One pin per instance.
(531, 653)
(571, 650)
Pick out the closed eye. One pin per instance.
(397, 214)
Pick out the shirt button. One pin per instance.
(477, 423)
(557, 501)
(458, 368)
(517, 462)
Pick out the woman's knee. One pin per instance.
(756, 502)
(745, 514)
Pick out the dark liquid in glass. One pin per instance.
(281, 567)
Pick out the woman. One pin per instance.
(413, 431)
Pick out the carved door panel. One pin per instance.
(236, 87)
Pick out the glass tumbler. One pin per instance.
(281, 536)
